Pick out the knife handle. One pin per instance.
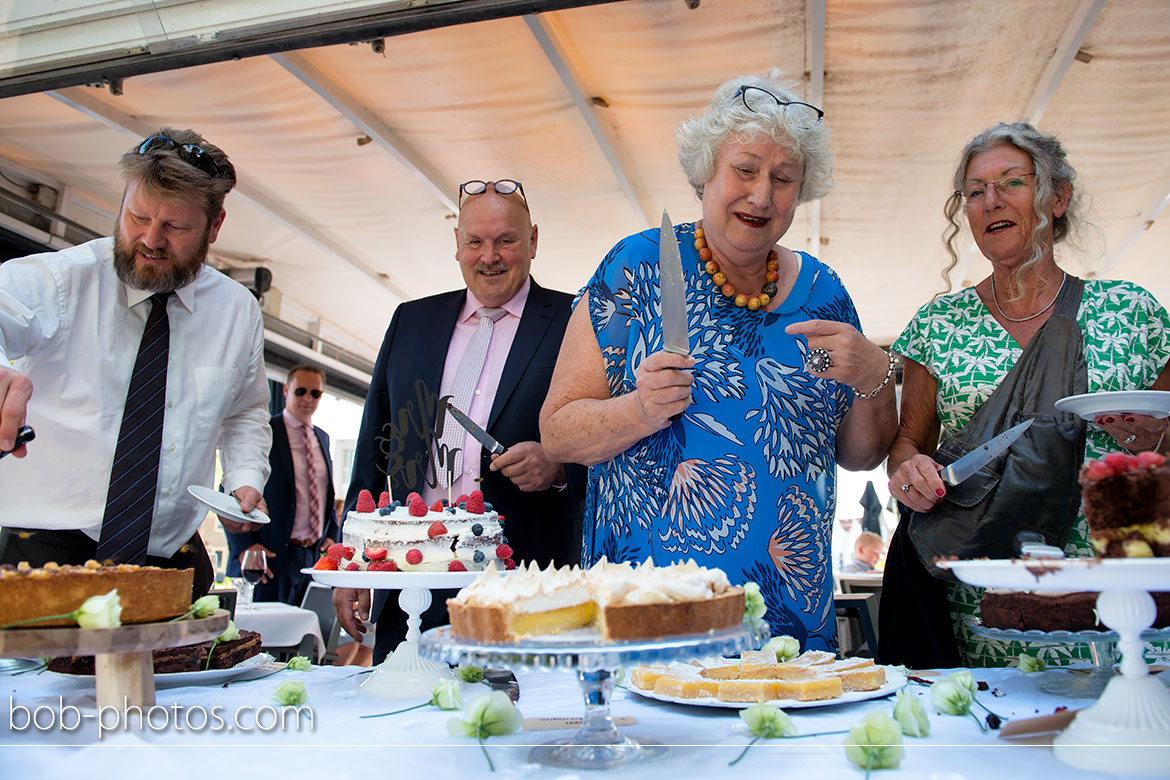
(23, 436)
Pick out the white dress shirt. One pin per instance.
(73, 328)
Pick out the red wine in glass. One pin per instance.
(253, 575)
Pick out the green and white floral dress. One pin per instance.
(1126, 344)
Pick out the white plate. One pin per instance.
(1067, 574)
(1154, 403)
(179, 679)
(228, 506)
(392, 580)
(895, 681)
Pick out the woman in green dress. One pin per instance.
(1016, 189)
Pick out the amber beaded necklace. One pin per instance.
(754, 302)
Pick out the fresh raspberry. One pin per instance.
(436, 529)
(1096, 470)
(383, 566)
(412, 497)
(353, 566)
(475, 503)
(1120, 462)
(375, 553)
(418, 508)
(456, 566)
(461, 499)
(413, 557)
(326, 563)
(509, 564)
(437, 506)
(384, 499)
(503, 551)
(1150, 460)
(336, 551)
(365, 502)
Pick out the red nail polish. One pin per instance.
(940, 492)
(1109, 419)
(1130, 419)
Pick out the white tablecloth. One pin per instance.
(339, 744)
(280, 625)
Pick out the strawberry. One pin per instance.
(384, 499)
(418, 508)
(325, 562)
(475, 503)
(1150, 460)
(456, 566)
(382, 566)
(365, 502)
(437, 506)
(1120, 462)
(503, 551)
(336, 551)
(353, 566)
(375, 553)
(413, 557)
(436, 529)
(412, 497)
(509, 564)
(1096, 470)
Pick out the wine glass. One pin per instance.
(252, 566)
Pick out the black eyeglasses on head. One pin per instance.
(191, 154)
(300, 391)
(760, 101)
(501, 186)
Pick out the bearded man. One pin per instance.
(133, 361)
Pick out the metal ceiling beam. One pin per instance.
(82, 101)
(365, 120)
(1145, 219)
(1082, 20)
(814, 48)
(572, 83)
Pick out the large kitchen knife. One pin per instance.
(672, 291)
(979, 457)
(493, 447)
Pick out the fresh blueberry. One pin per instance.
(364, 558)
(385, 510)
(503, 540)
(487, 507)
(396, 504)
(450, 510)
(478, 557)
(477, 529)
(463, 505)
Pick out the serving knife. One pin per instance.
(491, 445)
(979, 457)
(23, 436)
(672, 291)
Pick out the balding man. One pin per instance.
(425, 348)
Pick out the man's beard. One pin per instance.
(180, 271)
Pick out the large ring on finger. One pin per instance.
(906, 488)
(1132, 438)
(819, 360)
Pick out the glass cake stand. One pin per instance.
(1128, 729)
(404, 673)
(1063, 682)
(599, 744)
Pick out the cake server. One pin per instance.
(491, 445)
(23, 436)
(979, 457)
(672, 291)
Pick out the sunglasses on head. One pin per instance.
(300, 391)
(191, 154)
(501, 186)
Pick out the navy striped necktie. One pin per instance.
(134, 475)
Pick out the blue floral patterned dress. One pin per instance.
(745, 480)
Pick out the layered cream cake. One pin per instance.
(467, 536)
(619, 600)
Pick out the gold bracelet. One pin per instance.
(886, 381)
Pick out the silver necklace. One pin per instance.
(995, 298)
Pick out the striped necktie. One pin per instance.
(466, 378)
(314, 493)
(134, 475)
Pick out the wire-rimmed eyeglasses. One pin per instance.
(974, 189)
(300, 392)
(191, 154)
(760, 101)
(501, 186)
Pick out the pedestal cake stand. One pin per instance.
(405, 673)
(599, 744)
(1128, 729)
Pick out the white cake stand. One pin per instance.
(405, 673)
(1128, 729)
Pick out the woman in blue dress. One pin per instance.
(779, 387)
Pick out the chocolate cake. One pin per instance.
(167, 660)
(1026, 611)
(1127, 504)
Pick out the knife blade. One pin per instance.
(979, 457)
(672, 291)
(493, 447)
(502, 680)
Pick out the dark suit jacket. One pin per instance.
(281, 496)
(399, 416)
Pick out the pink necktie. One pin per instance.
(314, 496)
(466, 378)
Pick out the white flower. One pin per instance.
(230, 634)
(911, 715)
(100, 611)
(290, 694)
